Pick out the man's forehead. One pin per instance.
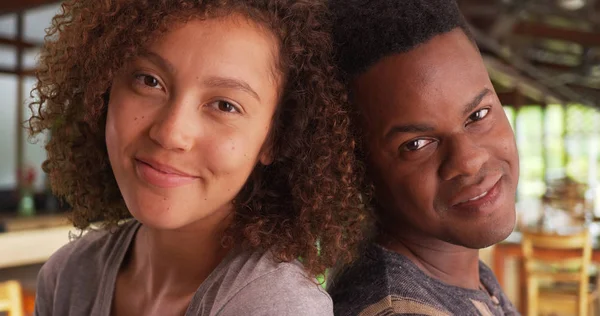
(425, 74)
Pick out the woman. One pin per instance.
(219, 128)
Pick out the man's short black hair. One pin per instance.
(365, 31)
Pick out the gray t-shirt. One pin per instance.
(79, 279)
(382, 282)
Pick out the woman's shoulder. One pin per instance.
(89, 245)
(73, 274)
(85, 253)
(256, 267)
(254, 283)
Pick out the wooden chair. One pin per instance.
(565, 271)
(11, 300)
(28, 301)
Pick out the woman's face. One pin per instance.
(188, 120)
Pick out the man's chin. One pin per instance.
(488, 237)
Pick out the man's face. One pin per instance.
(440, 149)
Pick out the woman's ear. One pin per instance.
(266, 153)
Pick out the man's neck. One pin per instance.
(451, 264)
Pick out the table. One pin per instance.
(12, 222)
(32, 240)
(31, 246)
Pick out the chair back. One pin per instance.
(543, 263)
(11, 300)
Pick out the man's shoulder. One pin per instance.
(382, 281)
(380, 269)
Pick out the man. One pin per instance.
(440, 153)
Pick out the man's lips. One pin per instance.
(475, 192)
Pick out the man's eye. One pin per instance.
(416, 144)
(479, 115)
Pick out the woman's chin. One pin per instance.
(159, 214)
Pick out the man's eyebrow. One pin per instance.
(408, 128)
(422, 128)
(468, 108)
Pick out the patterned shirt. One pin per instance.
(384, 283)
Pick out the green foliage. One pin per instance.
(548, 150)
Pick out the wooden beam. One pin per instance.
(511, 98)
(482, 23)
(591, 93)
(12, 6)
(17, 43)
(480, 9)
(8, 71)
(569, 35)
(544, 142)
(20, 148)
(25, 72)
(555, 67)
(28, 72)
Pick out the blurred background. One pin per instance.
(543, 57)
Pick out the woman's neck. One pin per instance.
(178, 260)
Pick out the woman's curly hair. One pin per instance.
(306, 204)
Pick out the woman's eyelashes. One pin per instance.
(152, 83)
(224, 106)
(147, 81)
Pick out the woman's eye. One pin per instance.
(479, 115)
(416, 144)
(224, 106)
(148, 81)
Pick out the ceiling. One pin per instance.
(555, 43)
(551, 47)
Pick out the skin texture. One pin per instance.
(204, 110)
(187, 123)
(435, 136)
